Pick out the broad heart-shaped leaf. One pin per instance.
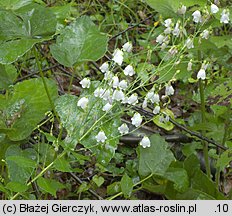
(179, 177)
(16, 187)
(14, 4)
(8, 74)
(17, 170)
(26, 107)
(49, 185)
(62, 165)
(155, 159)
(81, 41)
(22, 28)
(77, 122)
(126, 185)
(168, 8)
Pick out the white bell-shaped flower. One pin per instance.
(129, 70)
(106, 95)
(169, 90)
(197, 16)
(98, 92)
(136, 119)
(115, 82)
(118, 56)
(225, 16)
(104, 67)
(153, 97)
(123, 129)
(107, 107)
(168, 23)
(167, 31)
(189, 43)
(205, 34)
(133, 99)
(123, 84)
(118, 95)
(182, 10)
(189, 67)
(85, 83)
(83, 102)
(156, 110)
(176, 30)
(101, 137)
(201, 74)
(144, 105)
(127, 47)
(160, 38)
(214, 8)
(108, 75)
(145, 142)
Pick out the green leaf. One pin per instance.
(179, 177)
(16, 187)
(165, 125)
(78, 122)
(17, 170)
(98, 180)
(155, 159)
(49, 185)
(14, 4)
(114, 188)
(168, 8)
(81, 41)
(21, 29)
(126, 185)
(23, 110)
(8, 75)
(224, 160)
(62, 165)
(83, 187)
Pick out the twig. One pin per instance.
(182, 127)
(90, 190)
(131, 27)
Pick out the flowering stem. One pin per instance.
(203, 119)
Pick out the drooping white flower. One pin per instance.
(123, 129)
(173, 51)
(201, 74)
(145, 142)
(205, 65)
(129, 70)
(160, 39)
(133, 99)
(167, 118)
(153, 97)
(168, 23)
(104, 67)
(118, 95)
(214, 8)
(106, 95)
(83, 102)
(182, 10)
(197, 16)
(136, 119)
(156, 110)
(176, 30)
(123, 84)
(107, 107)
(108, 75)
(101, 137)
(98, 92)
(225, 16)
(164, 45)
(144, 105)
(125, 100)
(118, 56)
(169, 90)
(167, 30)
(85, 83)
(190, 64)
(127, 47)
(189, 43)
(115, 82)
(205, 34)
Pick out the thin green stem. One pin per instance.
(203, 119)
(138, 183)
(45, 84)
